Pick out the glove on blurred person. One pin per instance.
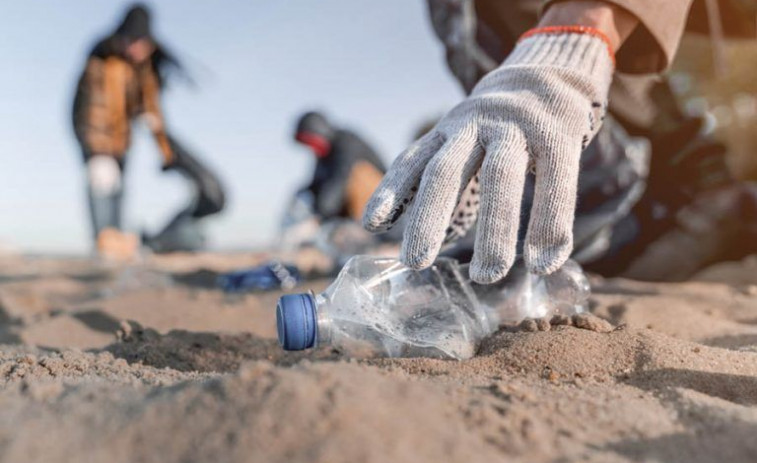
(538, 110)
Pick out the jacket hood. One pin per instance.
(136, 24)
(315, 123)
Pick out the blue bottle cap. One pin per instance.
(296, 321)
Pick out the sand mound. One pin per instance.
(624, 352)
(171, 370)
(311, 412)
(534, 395)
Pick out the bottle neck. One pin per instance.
(323, 320)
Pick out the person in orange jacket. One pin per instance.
(122, 80)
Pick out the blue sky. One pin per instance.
(372, 66)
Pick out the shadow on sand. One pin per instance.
(204, 352)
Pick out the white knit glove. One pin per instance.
(539, 110)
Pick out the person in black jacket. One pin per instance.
(347, 170)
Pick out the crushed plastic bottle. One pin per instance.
(377, 307)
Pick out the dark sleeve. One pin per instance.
(151, 106)
(319, 177)
(329, 183)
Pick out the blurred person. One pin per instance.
(325, 215)
(320, 229)
(525, 166)
(347, 169)
(123, 78)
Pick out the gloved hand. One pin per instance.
(538, 110)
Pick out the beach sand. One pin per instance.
(151, 363)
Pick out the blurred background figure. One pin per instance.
(327, 212)
(122, 80)
(347, 170)
(321, 226)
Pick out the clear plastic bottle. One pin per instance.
(377, 307)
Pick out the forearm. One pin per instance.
(153, 116)
(165, 147)
(616, 23)
(646, 33)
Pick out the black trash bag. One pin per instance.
(183, 231)
(209, 197)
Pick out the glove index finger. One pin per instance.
(398, 187)
(443, 179)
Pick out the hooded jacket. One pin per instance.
(112, 91)
(346, 174)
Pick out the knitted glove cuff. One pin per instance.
(580, 48)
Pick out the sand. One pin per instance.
(152, 363)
